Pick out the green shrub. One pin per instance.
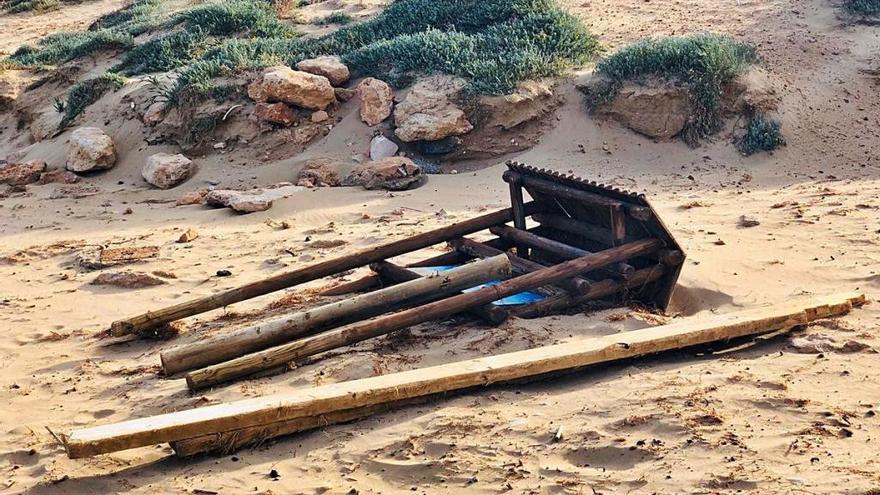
(83, 94)
(338, 17)
(256, 17)
(867, 8)
(137, 18)
(164, 53)
(704, 62)
(16, 6)
(762, 134)
(62, 47)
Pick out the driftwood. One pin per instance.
(302, 323)
(327, 399)
(277, 356)
(153, 319)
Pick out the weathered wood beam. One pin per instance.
(276, 356)
(589, 231)
(325, 399)
(299, 324)
(153, 319)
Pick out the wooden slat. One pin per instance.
(325, 399)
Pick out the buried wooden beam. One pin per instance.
(576, 285)
(556, 248)
(489, 313)
(152, 319)
(276, 331)
(325, 399)
(277, 356)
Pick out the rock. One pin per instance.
(155, 113)
(382, 147)
(531, 100)
(239, 201)
(428, 114)
(320, 116)
(344, 94)
(283, 84)
(318, 173)
(221, 198)
(441, 147)
(46, 125)
(753, 91)
(191, 198)
(90, 149)
(659, 110)
(188, 236)
(58, 176)
(12, 84)
(165, 170)
(275, 113)
(818, 343)
(128, 280)
(392, 174)
(377, 100)
(328, 66)
(747, 222)
(20, 174)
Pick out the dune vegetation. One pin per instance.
(493, 44)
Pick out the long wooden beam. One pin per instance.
(326, 399)
(277, 356)
(153, 319)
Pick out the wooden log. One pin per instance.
(299, 324)
(391, 273)
(141, 323)
(276, 356)
(325, 399)
(576, 285)
(599, 290)
(556, 248)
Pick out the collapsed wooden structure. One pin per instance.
(574, 242)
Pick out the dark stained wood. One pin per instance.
(362, 284)
(519, 216)
(153, 319)
(595, 233)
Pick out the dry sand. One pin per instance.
(763, 418)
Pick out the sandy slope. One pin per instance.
(759, 419)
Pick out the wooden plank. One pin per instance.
(519, 216)
(595, 233)
(153, 319)
(277, 356)
(367, 392)
(299, 324)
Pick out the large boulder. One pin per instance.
(529, 101)
(90, 149)
(656, 108)
(275, 113)
(165, 170)
(20, 174)
(377, 100)
(428, 113)
(319, 172)
(283, 84)
(242, 202)
(392, 174)
(328, 66)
